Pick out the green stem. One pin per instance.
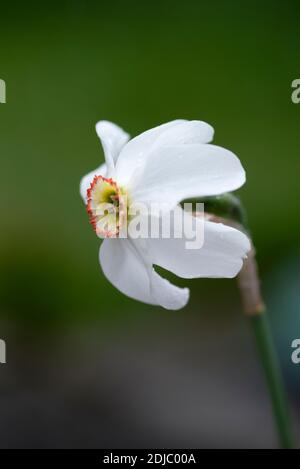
(268, 356)
(232, 211)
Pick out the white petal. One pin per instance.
(168, 295)
(88, 178)
(113, 138)
(221, 255)
(134, 153)
(124, 269)
(133, 275)
(172, 174)
(186, 132)
(176, 132)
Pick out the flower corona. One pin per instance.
(106, 207)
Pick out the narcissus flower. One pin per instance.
(165, 165)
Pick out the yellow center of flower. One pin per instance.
(106, 206)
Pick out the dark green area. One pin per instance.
(69, 64)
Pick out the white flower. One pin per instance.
(169, 163)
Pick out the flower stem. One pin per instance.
(229, 210)
(254, 308)
(269, 360)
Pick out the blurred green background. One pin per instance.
(67, 65)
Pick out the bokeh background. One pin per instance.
(86, 366)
